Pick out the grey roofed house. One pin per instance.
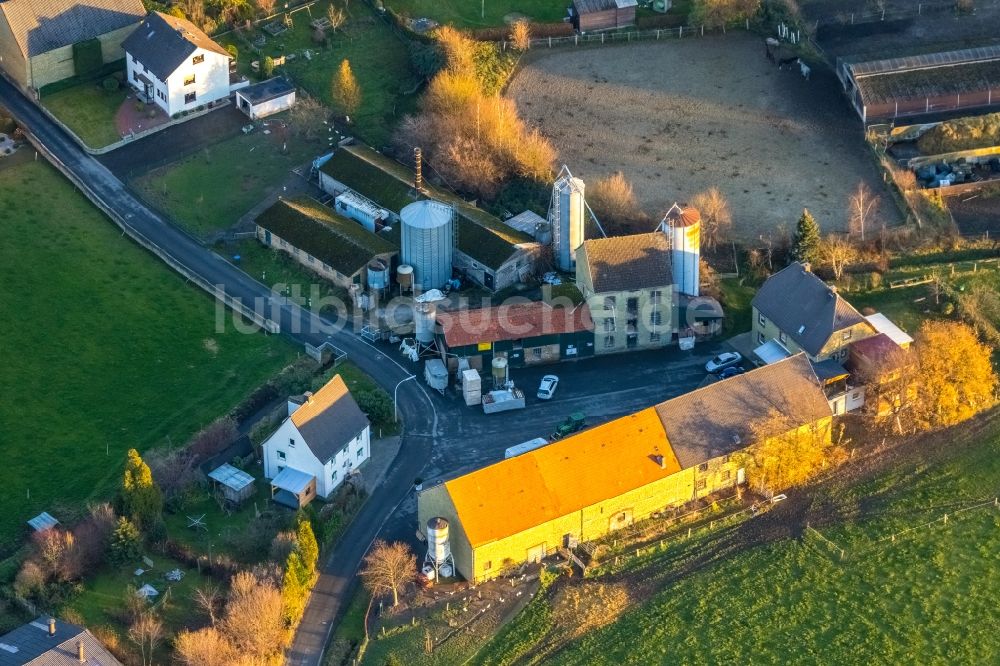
(33, 644)
(39, 26)
(719, 418)
(804, 307)
(328, 419)
(628, 263)
(162, 43)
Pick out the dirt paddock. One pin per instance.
(679, 116)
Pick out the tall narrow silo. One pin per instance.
(567, 211)
(684, 227)
(428, 232)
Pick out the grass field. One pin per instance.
(378, 57)
(89, 110)
(210, 190)
(920, 599)
(106, 349)
(471, 14)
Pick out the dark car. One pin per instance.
(731, 371)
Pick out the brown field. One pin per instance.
(677, 117)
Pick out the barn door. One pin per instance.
(536, 553)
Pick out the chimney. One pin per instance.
(81, 654)
(52, 626)
(418, 179)
(806, 266)
(309, 396)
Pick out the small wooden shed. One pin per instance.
(234, 484)
(591, 15)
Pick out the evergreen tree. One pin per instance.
(141, 499)
(346, 91)
(805, 244)
(307, 546)
(126, 542)
(294, 587)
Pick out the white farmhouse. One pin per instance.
(325, 437)
(174, 64)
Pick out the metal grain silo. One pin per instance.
(684, 229)
(428, 242)
(567, 211)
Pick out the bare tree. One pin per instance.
(388, 567)
(336, 16)
(613, 200)
(716, 217)
(837, 252)
(146, 632)
(208, 597)
(520, 35)
(253, 620)
(308, 116)
(266, 6)
(862, 207)
(206, 647)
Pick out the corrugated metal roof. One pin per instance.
(292, 480)
(231, 477)
(885, 325)
(924, 61)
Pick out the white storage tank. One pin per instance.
(566, 215)
(472, 387)
(438, 548)
(499, 367)
(428, 242)
(404, 276)
(378, 274)
(424, 320)
(684, 227)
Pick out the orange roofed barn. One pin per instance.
(583, 487)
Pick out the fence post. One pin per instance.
(602, 38)
(680, 31)
(576, 40)
(703, 30)
(550, 42)
(657, 34)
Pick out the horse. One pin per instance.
(804, 68)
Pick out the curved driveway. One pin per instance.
(149, 228)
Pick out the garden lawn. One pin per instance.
(220, 527)
(212, 189)
(105, 349)
(471, 14)
(278, 270)
(920, 599)
(89, 110)
(378, 57)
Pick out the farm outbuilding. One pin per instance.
(922, 85)
(235, 485)
(266, 98)
(590, 15)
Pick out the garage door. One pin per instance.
(536, 553)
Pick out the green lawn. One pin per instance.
(922, 599)
(105, 349)
(378, 57)
(210, 190)
(102, 600)
(89, 110)
(471, 14)
(275, 268)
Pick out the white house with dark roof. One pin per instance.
(325, 437)
(37, 37)
(49, 642)
(171, 62)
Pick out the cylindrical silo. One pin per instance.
(438, 548)
(378, 274)
(404, 275)
(568, 214)
(685, 244)
(427, 242)
(424, 319)
(499, 370)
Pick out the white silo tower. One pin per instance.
(428, 238)
(567, 211)
(438, 548)
(683, 228)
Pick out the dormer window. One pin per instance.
(198, 59)
(291, 441)
(846, 335)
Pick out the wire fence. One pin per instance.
(840, 553)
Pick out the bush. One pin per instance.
(126, 542)
(87, 57)
(110, 83)
(376, 405)
(947, 308)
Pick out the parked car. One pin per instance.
(723, 361)
(732, 371)
(547, 387)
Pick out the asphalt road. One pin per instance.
(442, 437)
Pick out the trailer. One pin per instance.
(436, 374)
(502, 401)
(524, 447)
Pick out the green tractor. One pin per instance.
(575, 422)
